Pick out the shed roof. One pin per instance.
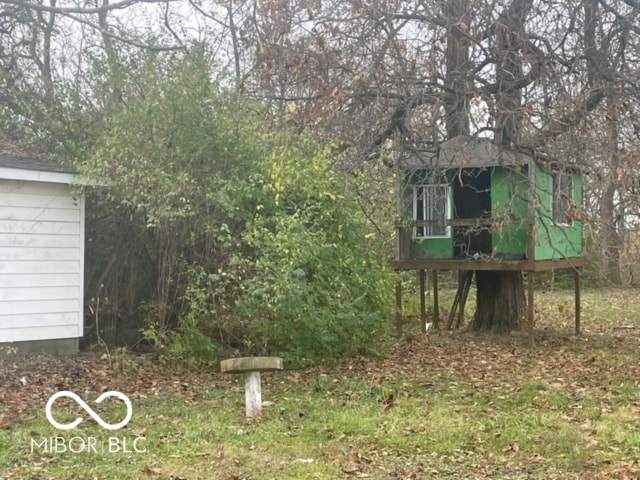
(17, 164)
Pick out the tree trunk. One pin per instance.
(500, 301)
(599, 74)
(610, 241)
(456, 104)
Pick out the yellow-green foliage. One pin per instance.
(249, 232)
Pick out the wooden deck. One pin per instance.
(488, 264)
(495, 264)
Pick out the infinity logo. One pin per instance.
(89, 410)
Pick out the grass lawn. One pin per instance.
(443, 405)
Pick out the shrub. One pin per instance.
(316, 289)
(252, 240)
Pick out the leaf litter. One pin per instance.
(602, 363)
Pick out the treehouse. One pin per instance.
(474, 205)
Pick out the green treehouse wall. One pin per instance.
(509, 204)
(509, 194)
(437, 247)
(555, 241)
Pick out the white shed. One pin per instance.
(41, 255)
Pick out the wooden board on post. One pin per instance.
(251, 367)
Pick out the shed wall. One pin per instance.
(41, 261)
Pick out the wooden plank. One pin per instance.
(531, 211)
(39, 280)
(37, 175)
(37, 267)
(40, 306)
(398, 316)
(462, 264)
(471, 222)
(39, 227)
(253, 395)
(436, 305)
(23, 187)
(403, 244)
(16, 199)
(423, 302)
(39, 241)
(51, 292)
(24, 334)
(545, 265)
(41, 214)
(41, 254)
(468, 279)
(251, 364)
(530, 253)
(576, 286)
(38, 320)
(493, 264)
(530, 306)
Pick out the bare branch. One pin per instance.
(120, 38)
(563, 123)
(79, 10)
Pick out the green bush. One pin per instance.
(316, 289)
(253, 241)
(185, 345)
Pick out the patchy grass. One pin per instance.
(445, 405)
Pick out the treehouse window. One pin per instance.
(431, 207)
(561, 198)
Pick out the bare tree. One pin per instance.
(536, 74)
(45, 47)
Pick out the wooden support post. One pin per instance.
(576, 286)
(252, 395)
(468, 278)
(423, 302)
(436, 306)
(530, 248)
(399, 309)
(530, 306)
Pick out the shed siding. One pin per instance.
(41, 261)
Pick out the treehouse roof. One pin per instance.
(475, 152)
